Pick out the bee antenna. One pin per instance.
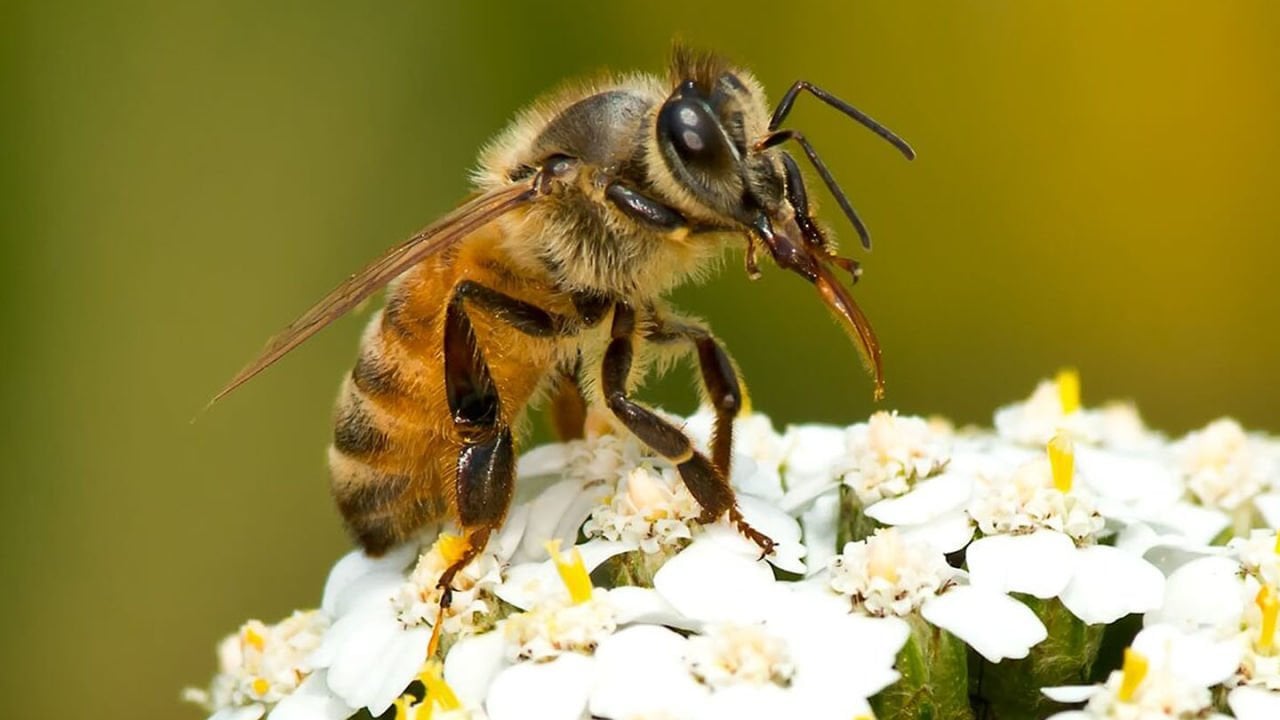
(789, 98)
(781, 136)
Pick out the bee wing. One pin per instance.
(444, 233)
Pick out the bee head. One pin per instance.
(706, 132)
(720, 144)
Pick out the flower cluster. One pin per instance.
(1069, 556)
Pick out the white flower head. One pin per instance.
(261, 665)
(417, 604)
(605, 457)
(651, 509)
(890, 574)
(1054, 406)
(1039, 494)
(884, 575)
(1259, 554)
(1224, 467)
(1139, 691)
(559, 624)
(733, 653)
(887, 454)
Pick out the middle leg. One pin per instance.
(707, 485)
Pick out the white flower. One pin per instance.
(384, 619)
(417, 602)
(1231, 603)
(809, 658)
(265, 668)
(1030, 498)
(889, 453)
(1054, 406)
(650, 509)
(1150, 686)
(886, 575)
(904, 470)
(883, 575)
(547, 651)
(1040, 541)
(1228, 471)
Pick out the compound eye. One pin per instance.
(689, 126)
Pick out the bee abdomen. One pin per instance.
(355, 432)
(378, 487)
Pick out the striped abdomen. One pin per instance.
(395, 447)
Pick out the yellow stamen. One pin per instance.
(1270, 607)
(1069, 390)
(250, 637)
(438, 691)
(1134, 672)
(260, 686)
(452, 547)
(1062, 461)
(405, 710)
(573, 572)
(1277, 543)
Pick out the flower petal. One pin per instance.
(819, 524)
(555, 690)
(348, 572)
(1040, 564)
(527, 583)
(811, 453)
(646, 605)
(1071, 693)
(545, 514)
(1196, 658)
(1204, 593)
(472, 664)
(947, 534)
(1268, 505)
(783, 529)
(391, 673)
(1199, 524)
(928, 500)
(1109, 584)
(1253, 703)
(312, 701)
(550, 459)
(990, 622)
(711, 583)
(641, 673)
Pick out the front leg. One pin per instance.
(719, 381)
(710, 488)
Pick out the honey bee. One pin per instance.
(548, 283)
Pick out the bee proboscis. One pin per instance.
(549, 281)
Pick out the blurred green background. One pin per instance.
(1096, 186)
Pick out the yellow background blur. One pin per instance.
(1096, 186)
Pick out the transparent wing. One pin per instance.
(440, 235)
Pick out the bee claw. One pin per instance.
(764, 542)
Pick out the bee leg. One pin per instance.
(719, 380)
(707, 485)
(568, 407)
(486, 462)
